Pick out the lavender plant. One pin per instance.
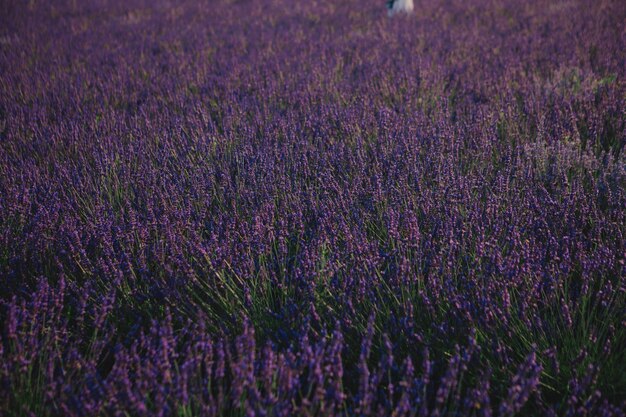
(277, 208)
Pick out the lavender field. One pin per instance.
(307, 208)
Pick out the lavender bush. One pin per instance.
(277, 208)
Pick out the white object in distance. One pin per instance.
(399, 6)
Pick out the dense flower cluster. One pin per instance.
(278, 207)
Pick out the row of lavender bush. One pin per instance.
(276, 208)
